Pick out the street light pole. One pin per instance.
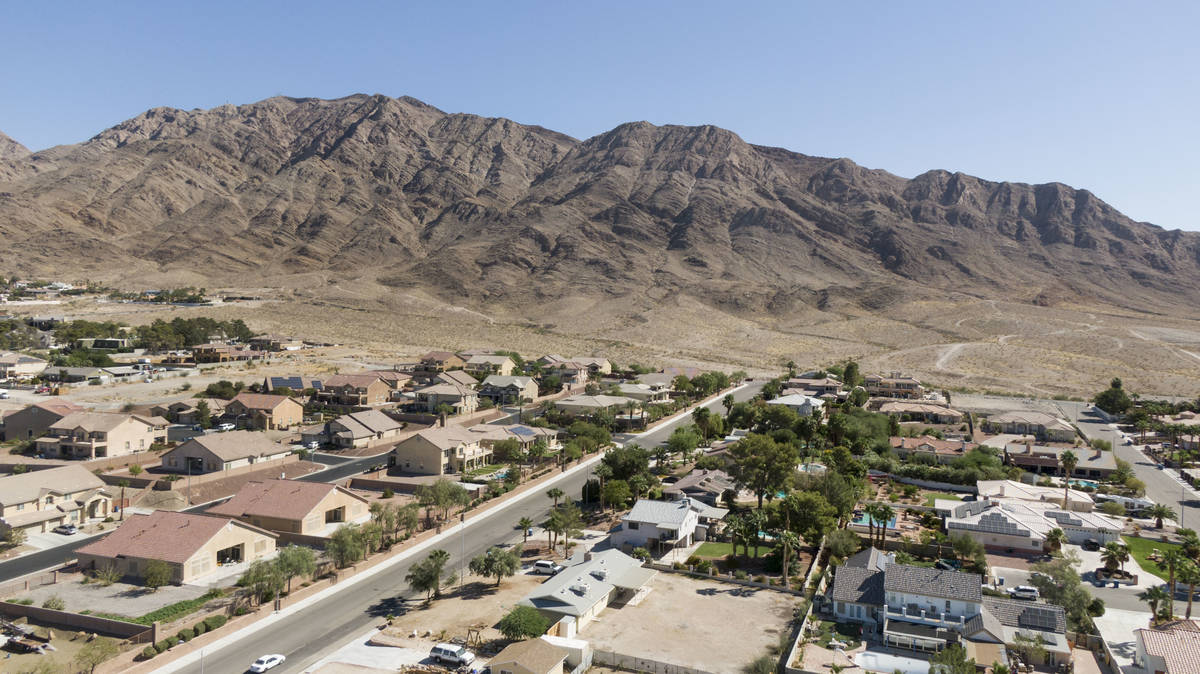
(462, 558)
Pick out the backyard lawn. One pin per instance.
(933, 496)
(847, 633)
(714, 550)
(1140, 549)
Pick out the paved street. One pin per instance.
(658, 435)
(354, 608)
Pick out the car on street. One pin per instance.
(312, 444)
(3, 394)
(266, 662)
(546, 567)
(226, 427)
(452, 654)
(1024, 592)
(66, 529)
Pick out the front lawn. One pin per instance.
(933, 496)
(713, 550)
(1141, 549)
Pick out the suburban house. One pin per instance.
(214, 452)
(1002, 524)
(363, 429)
(395, 379)
(461, 399)
(39, 500)
(582, 591)
(1045, 427)
(264, 411)
(586, 405)
(33, 421)
(440, 361)
(1046, 460)
(595, 365)
(642, 393)
(188, 411)
(439, 451)
(799, 403)
(216, 352)
(275, 343)
(526, 436)
(570, 373)
(192, 545)
(1168, 648)
(508, 390)
(1077, 500)
(484, 364)
(707, 486)
(657, 381)
(532, 656)
(294, 383)
(92, 435)
(15, 365)
(894, 386)
(363, 389)
(74, 375)
(929, 413)
(824, 387)
(657, 526)
(941, 451)
(109, 343)
(457, 378)
(295, 507)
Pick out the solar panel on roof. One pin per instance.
(1039, 617)
(524, 430)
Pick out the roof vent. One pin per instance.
(600, 574)
(580, 589)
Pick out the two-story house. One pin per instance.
(657, 526)
(364, 389)
(484, 364)
(460, 399)
(502, 390)
(31, 422)
(894, 386)
(363, 429)
(15, 365)
(264, 411)
(92, 435)
(439, 451)
(39, 500)
(440, 361)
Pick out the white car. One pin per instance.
(546, 567)
(452, 654)
(1023, 592)
(266, 662)
(226, 427)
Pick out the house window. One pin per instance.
(947, 604)
(841, 607)
(634, 525)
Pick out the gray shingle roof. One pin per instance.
(1027, 615)
(658, 512)
(871, 558)
(858, 585)
(933, 582)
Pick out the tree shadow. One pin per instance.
(476, 590)
(389, 606)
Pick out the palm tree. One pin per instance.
(727, 402)
(555, 493)
(1154, 596)
(1068, 461)
(1160, 512)
(1055, 539)
(526, 524)
(1173, 558)
(1114, 555)
(788, 541)
(1189, 573)
(123, 484)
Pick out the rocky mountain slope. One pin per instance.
(488, 211)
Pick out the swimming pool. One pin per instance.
(861, 520)
(874, 661)
(1084, 483)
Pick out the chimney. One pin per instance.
(1028, 446)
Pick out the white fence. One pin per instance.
(636, 664)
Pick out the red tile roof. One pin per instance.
(169, 536)
(283, 499)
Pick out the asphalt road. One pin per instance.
(659, 434)
(340, 468)
(312, 633)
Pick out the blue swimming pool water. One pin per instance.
(862, 520)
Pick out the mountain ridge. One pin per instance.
(487, 210)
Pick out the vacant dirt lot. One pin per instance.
(708, 625)
(118, 598)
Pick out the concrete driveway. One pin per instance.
(45, 541)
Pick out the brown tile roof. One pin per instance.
(169, 536)
(536, 655)
(357, 380)
(1177, 643)
(25, 487)
(938, 446)
(259, 401)
(91, 421)
(235, 445)
(59, 406)
(283, 499)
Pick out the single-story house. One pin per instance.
(798, 403)
(586, 405)
(264, 411)
(192, 545)
(708, 486)
(582, 591)
(642, 392)
(1168, 648)
(214, 452)
(817, 387)
(292, 506)
(526, 436)
(73, 375)
(275, 343)
(942, 451)
(1023, 526)
(532, 656)
(929, 413)
(438, 451)
(1046, 460)
(1079, 501)
(1046, 427)
(188, 411)
(15, 365)
(292, 383)
(39, 500)
(363, 429)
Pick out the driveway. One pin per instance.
(1116, 627)
(48, 540)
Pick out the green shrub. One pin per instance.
(54, 603)
(161, 646)
(200, 628)
(171, 641)
(760, 579)
(740, 575)
(241, 610)
(185, 634)
(149, 652)
(388, 493)
(215, 621)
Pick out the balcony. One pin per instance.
(914, 613)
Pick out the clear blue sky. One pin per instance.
(1099, 95)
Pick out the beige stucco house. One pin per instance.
(437, 451)
(355, 390)
(532, 656)
(192, 545)
(222, 451)
(265, 411)
(40, 500)
(31, 422)
(15, 365)
(484, 364)
(295, 507)
(363, 429)
(92, 435)
(461, 399)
